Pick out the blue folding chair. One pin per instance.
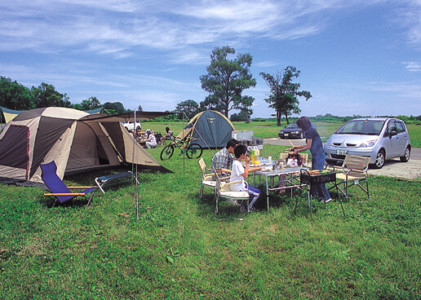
(57, 187)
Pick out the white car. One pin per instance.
(379, 138)
(130, 126)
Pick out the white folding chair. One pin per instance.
(222, 190)
(353, 171)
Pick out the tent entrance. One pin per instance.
(14, 148)
(86, 151)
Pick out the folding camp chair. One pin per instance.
(354, 170)
(208, 179)
(222, 190)
(304, 163)
(57, 187)
(101, 181)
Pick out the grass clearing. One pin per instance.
(179, 248)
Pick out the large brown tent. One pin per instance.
(75, 140)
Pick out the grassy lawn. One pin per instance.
(179, 248)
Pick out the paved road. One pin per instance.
(392, 168)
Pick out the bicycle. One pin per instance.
(192, 150)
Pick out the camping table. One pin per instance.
(289, 176)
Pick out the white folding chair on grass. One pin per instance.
(208, 179)
(353, 171)
(222, 190)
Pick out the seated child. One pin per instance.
(239, 173)
(294, 160)
(151, 140)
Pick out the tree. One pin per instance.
(140, 108)
(284, 93)
(187, 108)
(114, 107)
(226, 80)
(46, 95)
(90, 103)
(15, 96)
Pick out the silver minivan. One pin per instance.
(379, 138)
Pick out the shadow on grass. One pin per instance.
(50, 202)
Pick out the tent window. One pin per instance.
(14, 147)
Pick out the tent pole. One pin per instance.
(136, 181)
(184, 154)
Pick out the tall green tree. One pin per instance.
(46, 95)
(114, 108)
(14, 95)
(226, 80)
(91, 103)
(284, 93)
(88, 104)
(188, 108)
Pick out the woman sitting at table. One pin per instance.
(314, 143)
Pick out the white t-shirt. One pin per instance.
(292, 162)
(152, 139)
(236, 174)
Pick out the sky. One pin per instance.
(356, 57)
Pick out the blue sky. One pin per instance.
(355, 57)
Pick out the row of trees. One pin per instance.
(15, 96)
(226, 80)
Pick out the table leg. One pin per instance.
(267, 193)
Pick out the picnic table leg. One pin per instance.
(291, 183)
(267, 193)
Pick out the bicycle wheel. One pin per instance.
(194, 151)
(167, 152)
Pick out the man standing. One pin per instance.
(222, 160)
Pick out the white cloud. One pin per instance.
(409, 16)
(399, 89)
(412, 66)
(120, 27)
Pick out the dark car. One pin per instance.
(291, 131)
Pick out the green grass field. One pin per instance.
(179, 248)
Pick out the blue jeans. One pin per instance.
(318, 163)
(254, 195)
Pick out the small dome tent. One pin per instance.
(209, 129)
(7, 115)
